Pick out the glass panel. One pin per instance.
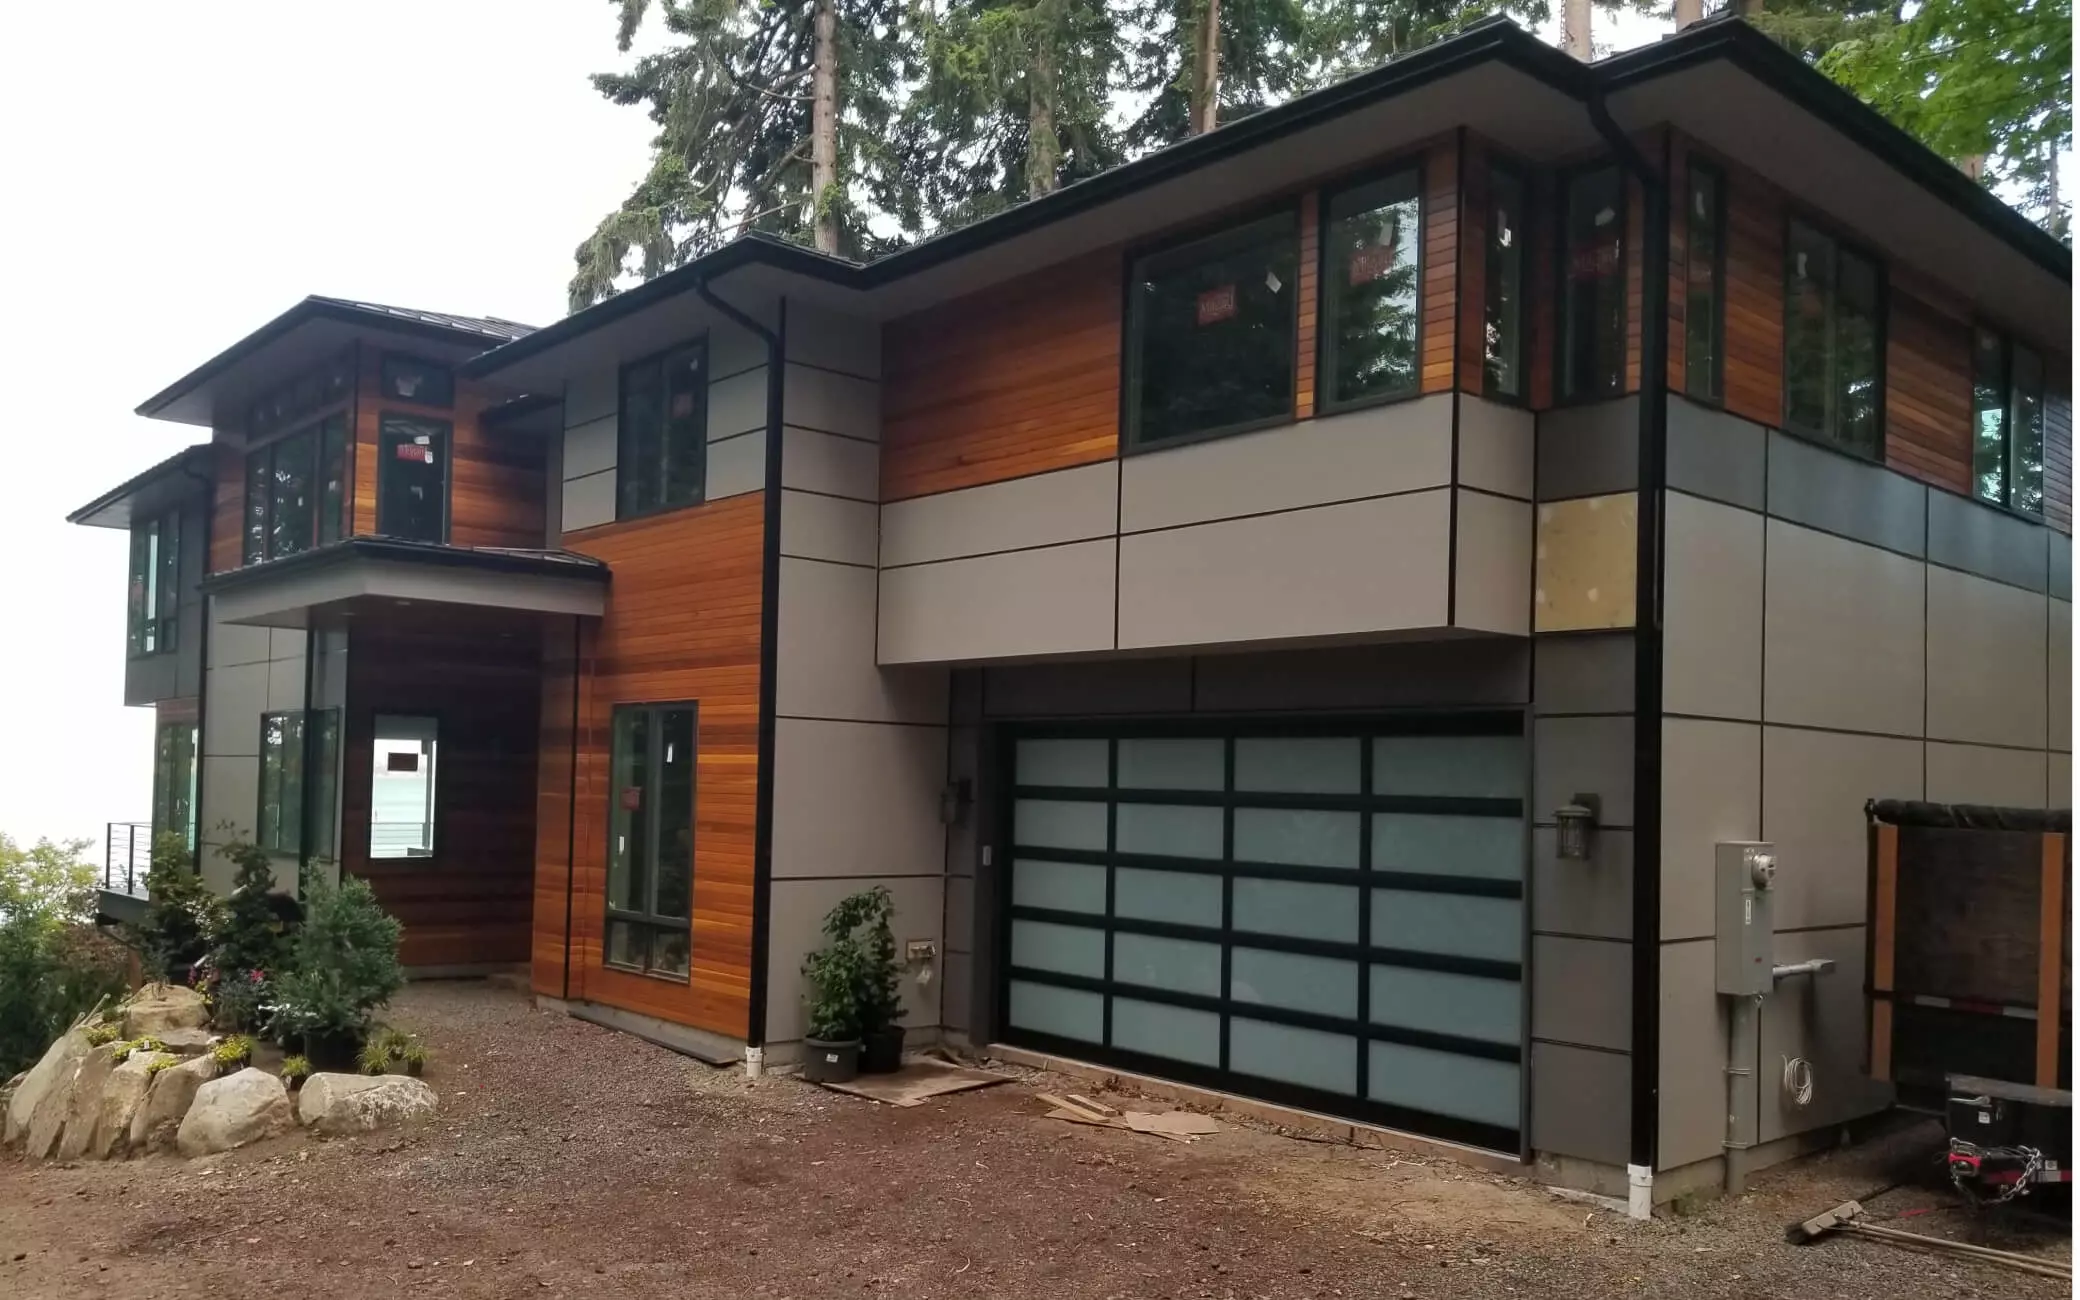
(1169, 829)
(1327, 986)
(290, 819)
(1179, 965)
(641, 437)
(1989, 417)
(292, 503)
(1211, 332)
(1484, 767)
(332, 477)
(1465, 1087)
(274, 742)
(671, 952)
(1452, 925)
(627, 945)
(628, 852)
(141, 569)
(1491, 848)
(1297, 837)
(1182, 764)
(1324, 765)
(1857, 400)
(1593, 290)
(1372, 289)
(1063, 886)
(1301, 910)
(685, 446)
(325, 784)
(2027, 420)
(166, 603)
(1179, 1033)
(1503, 342)
(1050, 823)
(1070, 949)
(1808, 359)
(1308, 1057)
(258, 479)
(148, 605)
(401, 789)
(673, 873)
(1061, 762)
(1066, 1013)
(423, 383)
(412, 496)
(1467, 1005)
(1173, 896)
(1703, 318)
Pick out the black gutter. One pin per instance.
(768, 663)
(1647, 636)
(562, 564)
(570, 834)
(181, 461)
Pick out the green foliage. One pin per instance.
(143, 1043)
(295, 1069)
(853, 984)
(238, 999)
(103, 1032)
(257, 920)
(184, 916)
(163, 1063)
(342, 963)
(234, 1053)
(375, 1058)
(54, 965)
(413, 1056)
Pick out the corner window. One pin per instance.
(1704, 278)
(294, 746)
(412, 481)
(1371, 293)
(296, 491)
(401, 798)
(173, 781)
(1832, 342)
(664, 431)
(2007, 423)
(155, 571)
(650, 840)
(1503, 310)
(1592, 305)
(1211, 333)
(410, 379)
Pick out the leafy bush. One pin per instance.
(234, 1053)
(163, 1063)
(853, 983)
(295, 1069)
(342, 963)
(257, 920)
(832, 976)
(184, 916)
(237, 998)
(103, 1032)
(375, 1057)
(54, 965)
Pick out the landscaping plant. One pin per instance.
(234, 1053)
(341, 966)
(183, 917)
(375, 1057)
(295, 1069)
(832, 977)
(864, 920)
(54, 965)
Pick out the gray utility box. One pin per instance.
(1743, 876)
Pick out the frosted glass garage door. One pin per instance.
(1331, 919)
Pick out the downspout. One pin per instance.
(1647, 641)
(570, 817)
(768, 662)
(209, 520)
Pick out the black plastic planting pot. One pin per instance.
(824, 1062)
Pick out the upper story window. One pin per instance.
(296, 491)
(1503, 309)
(2007, 423)
(1211, 331)
(1833, 342)
(412, 379)
(1371, 291)
(663, 459)
(285, 406)
(1704, 278)
(1592, 307)
(155, 573)
(412, 478)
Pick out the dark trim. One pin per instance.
(1412, 164)
(181, 462)
(1441, 720)
(570, 833)
(348, 550)
(491, 417)
(1349, 877)
(1494, 163)
(1335, 949)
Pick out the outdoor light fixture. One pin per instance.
(954, 799)
(1577, 820)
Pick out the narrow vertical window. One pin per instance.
(154, 593)
(332, 476)
(278, 824)
(1372, 290)
(664, 431)
(1833, 342)
(1593, 292)
(173, 781)
(1504, 309)
(1989, 417)
(412, 483)
(292, 496)
(259, 473)
(1704, 276)
(650, 849)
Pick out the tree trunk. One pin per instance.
(1206, 70)
(2054, 213)
(1574, 30)
(823, 129)
(1688, 12)
(1043, 144)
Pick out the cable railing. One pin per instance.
(126, 858)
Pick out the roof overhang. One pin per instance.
(368, 574)
(180, 477)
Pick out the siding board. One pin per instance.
(1928, 393)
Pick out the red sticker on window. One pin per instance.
(413, 451)
(1372, 263)
(1593, 262)
(1217, 305)
(632, 798)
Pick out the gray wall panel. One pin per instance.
(1069, 505)
(1820, 1018)
(1988, 648)
(832, 402)
(1692, 1055)
(1581, 1102)
(1713, 454)
(1485, 672)
(1588, 450)
(1713, 618)
(1057, 600)
(1585, 755)
(1964, 534)
(1497, 446)
(2061, 563)
(1711, 791)
(857, 799)
(1585, 673)
(2011, 778)
(1839, 494)
(1581, 991)
(1843, 635)
(2059, 673)
(1814, 786)
(1592, 898)
(798, 908)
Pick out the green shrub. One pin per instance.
(413, 1056)
(295, 1069)
(102, 1033)
(234, 1053)
(375, 1057)
(163, 1063)
(342, 964)
(183, 917)
(257, 920)
(865, 918)
(832, 978)
(54, 965)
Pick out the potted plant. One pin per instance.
(295, 1069)
(868, 916)
(830, 1050)
(343, 966)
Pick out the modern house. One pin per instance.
(1294, 614)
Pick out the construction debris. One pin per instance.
(1175, 1125)
(1848, 1218)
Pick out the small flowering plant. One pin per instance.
(240, 999)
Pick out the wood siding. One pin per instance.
(1308, 305)
(1928, 392)
(1455, 198)
(1754, 299)
(676, 628)
(497, 483)
(228, 510)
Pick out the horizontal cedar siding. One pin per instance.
(228, 510)
(1452, 267)
(1754, 299)
(1014, 380)
(497, 486)
(1308, 308)
(1928, 393)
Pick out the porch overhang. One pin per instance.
(367, 574)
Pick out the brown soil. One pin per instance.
(570, 1160)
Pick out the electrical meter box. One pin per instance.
(1743, 879)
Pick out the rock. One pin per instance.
(83, 1107)
(166, 1104)
(337, 1104)
(159, 1008)
(187, 1042)
(121, 1097)
(7, 1090)
(60, 1062)
(228, 1113)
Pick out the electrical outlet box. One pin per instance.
(917, 950)
(1743, 880)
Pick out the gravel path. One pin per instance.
(573, 1161)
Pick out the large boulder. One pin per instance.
(335, 1105)
(166, 1102)
(230, 1112)
(158, 1008)
(120, 1097)
(60, 1062)
(187, 1042)
(83, 1106)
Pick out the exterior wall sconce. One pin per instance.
(954, 799)
(1577, 820)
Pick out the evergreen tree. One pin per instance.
(1199, 63)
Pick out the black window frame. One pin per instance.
(625, 459)
(1519, 176)
(1563, 282)
(1227, 233)
(389, 363)
(317, 771)
(1329, 289)
(328, 431)
(153, 626)
(650, 922)
(386, 457)
(174, 786)
(1716, 321)
(2005, 385)
(1880, 321)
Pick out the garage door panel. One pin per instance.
(1178, 965)
(1442, 1002)
(1485, 1092)
(1051, 1009)
(1055, 824)
(1289, 1054)
(1175, 897)
(1058, 886)
(1158, 1029)
(1298, 837)
(1169, 830)
(1322, 986)
(1297, 909)
(1450, 925)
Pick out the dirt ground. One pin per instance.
(573, 1161)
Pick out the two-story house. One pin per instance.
(1200, 596)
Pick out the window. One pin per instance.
(401, 800)
(1371, 294)
(412, 485)
(2007, 423)
(410, 379)
(664, 431)
(296, 491)
(286, 753)
(155, 572)
(650, 844)
(1503, 346)
(1704, 275)
(1211, 333)
(291, 403)
(173, 781)
(1592, 296)
(1831, 342)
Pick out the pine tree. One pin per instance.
(1204, 62)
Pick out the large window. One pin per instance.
(664, 431)
(296, 491)
(401, 799)
(1592, 307)
(2007, 423)
(299, 762)
(1371, 294)
(412, 485)
(155, 572)
(1832, 342)
(1704, 279)
(650, 840)
(1211, 333)
(1503, 333)
(413, 379)
(173, 781)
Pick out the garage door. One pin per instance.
(1327, 918)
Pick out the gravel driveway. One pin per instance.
(573, 1161)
